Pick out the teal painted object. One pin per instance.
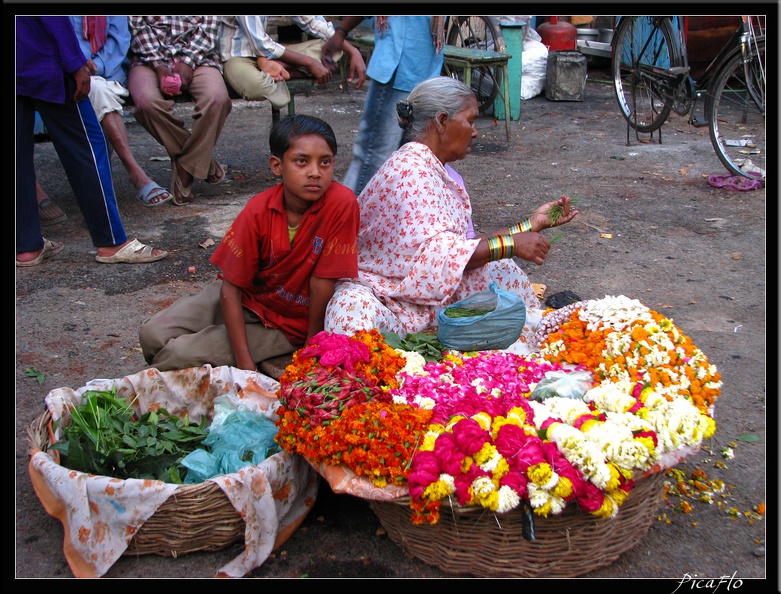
(513, 41)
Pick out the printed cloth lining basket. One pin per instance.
(105, 518)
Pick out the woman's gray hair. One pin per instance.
(427, 100)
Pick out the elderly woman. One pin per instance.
(416, 251)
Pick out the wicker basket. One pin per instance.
(196, 518)
(477, 542)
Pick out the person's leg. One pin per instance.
(107, 100)
(312, 48)
(191, 332)
(379, 134)
(29, 241)
(48, 211)
(244, 77)
(354, 307)
(211, 106)
(78, 138)
(156, 114)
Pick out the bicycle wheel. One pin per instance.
(478, 32)
(642, 42)
(736, 113)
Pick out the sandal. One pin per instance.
(180, 194)
(50, 213)
(216, 173)
(133, 252)
(49, 249)
(153, 194)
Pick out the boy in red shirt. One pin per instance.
(279, 262)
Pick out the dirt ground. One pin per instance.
(691, 251)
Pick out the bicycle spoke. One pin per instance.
(641, 47)
(478, 32)
(737, 114)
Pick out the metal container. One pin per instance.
(588, 34)
(605, 35)
(565, 76)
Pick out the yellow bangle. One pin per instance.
(523, 226)
(500, 247)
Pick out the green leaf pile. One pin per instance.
(106, 436)
(424, 343)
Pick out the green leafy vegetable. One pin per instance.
(424, 343)
(107, 437)
(467, 312)
(555, 212)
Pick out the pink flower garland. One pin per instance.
(482, 461)
(504, 381)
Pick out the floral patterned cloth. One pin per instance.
(100, 514)
(413, 250)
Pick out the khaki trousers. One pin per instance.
(244, 76)
(191, 332)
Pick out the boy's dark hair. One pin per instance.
(290, 127)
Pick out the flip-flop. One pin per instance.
(216, 173)
(151, 193)
(49, 249)
(134, 252)
(49, 213)
(180, 194)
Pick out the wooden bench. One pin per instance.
(275, 367)
(466, 58)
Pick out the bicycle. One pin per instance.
(651, 74)
(477, 32)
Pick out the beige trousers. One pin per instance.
(244, 76)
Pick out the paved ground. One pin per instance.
(691, 251)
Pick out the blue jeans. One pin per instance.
(379, 134)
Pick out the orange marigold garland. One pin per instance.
(621, 340)
(373, 439)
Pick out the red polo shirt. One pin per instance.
(257, 256)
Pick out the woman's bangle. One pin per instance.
(523, 226)
(500, 247)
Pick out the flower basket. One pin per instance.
(165, 519)
(476, 542)
(497, 463)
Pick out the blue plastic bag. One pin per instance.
(497, 329)
(236, 439)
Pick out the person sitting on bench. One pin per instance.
(256, 66)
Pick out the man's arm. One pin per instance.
(233, 312)
(335, 44)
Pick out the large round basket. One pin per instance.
(475, 541)
(196, 518)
